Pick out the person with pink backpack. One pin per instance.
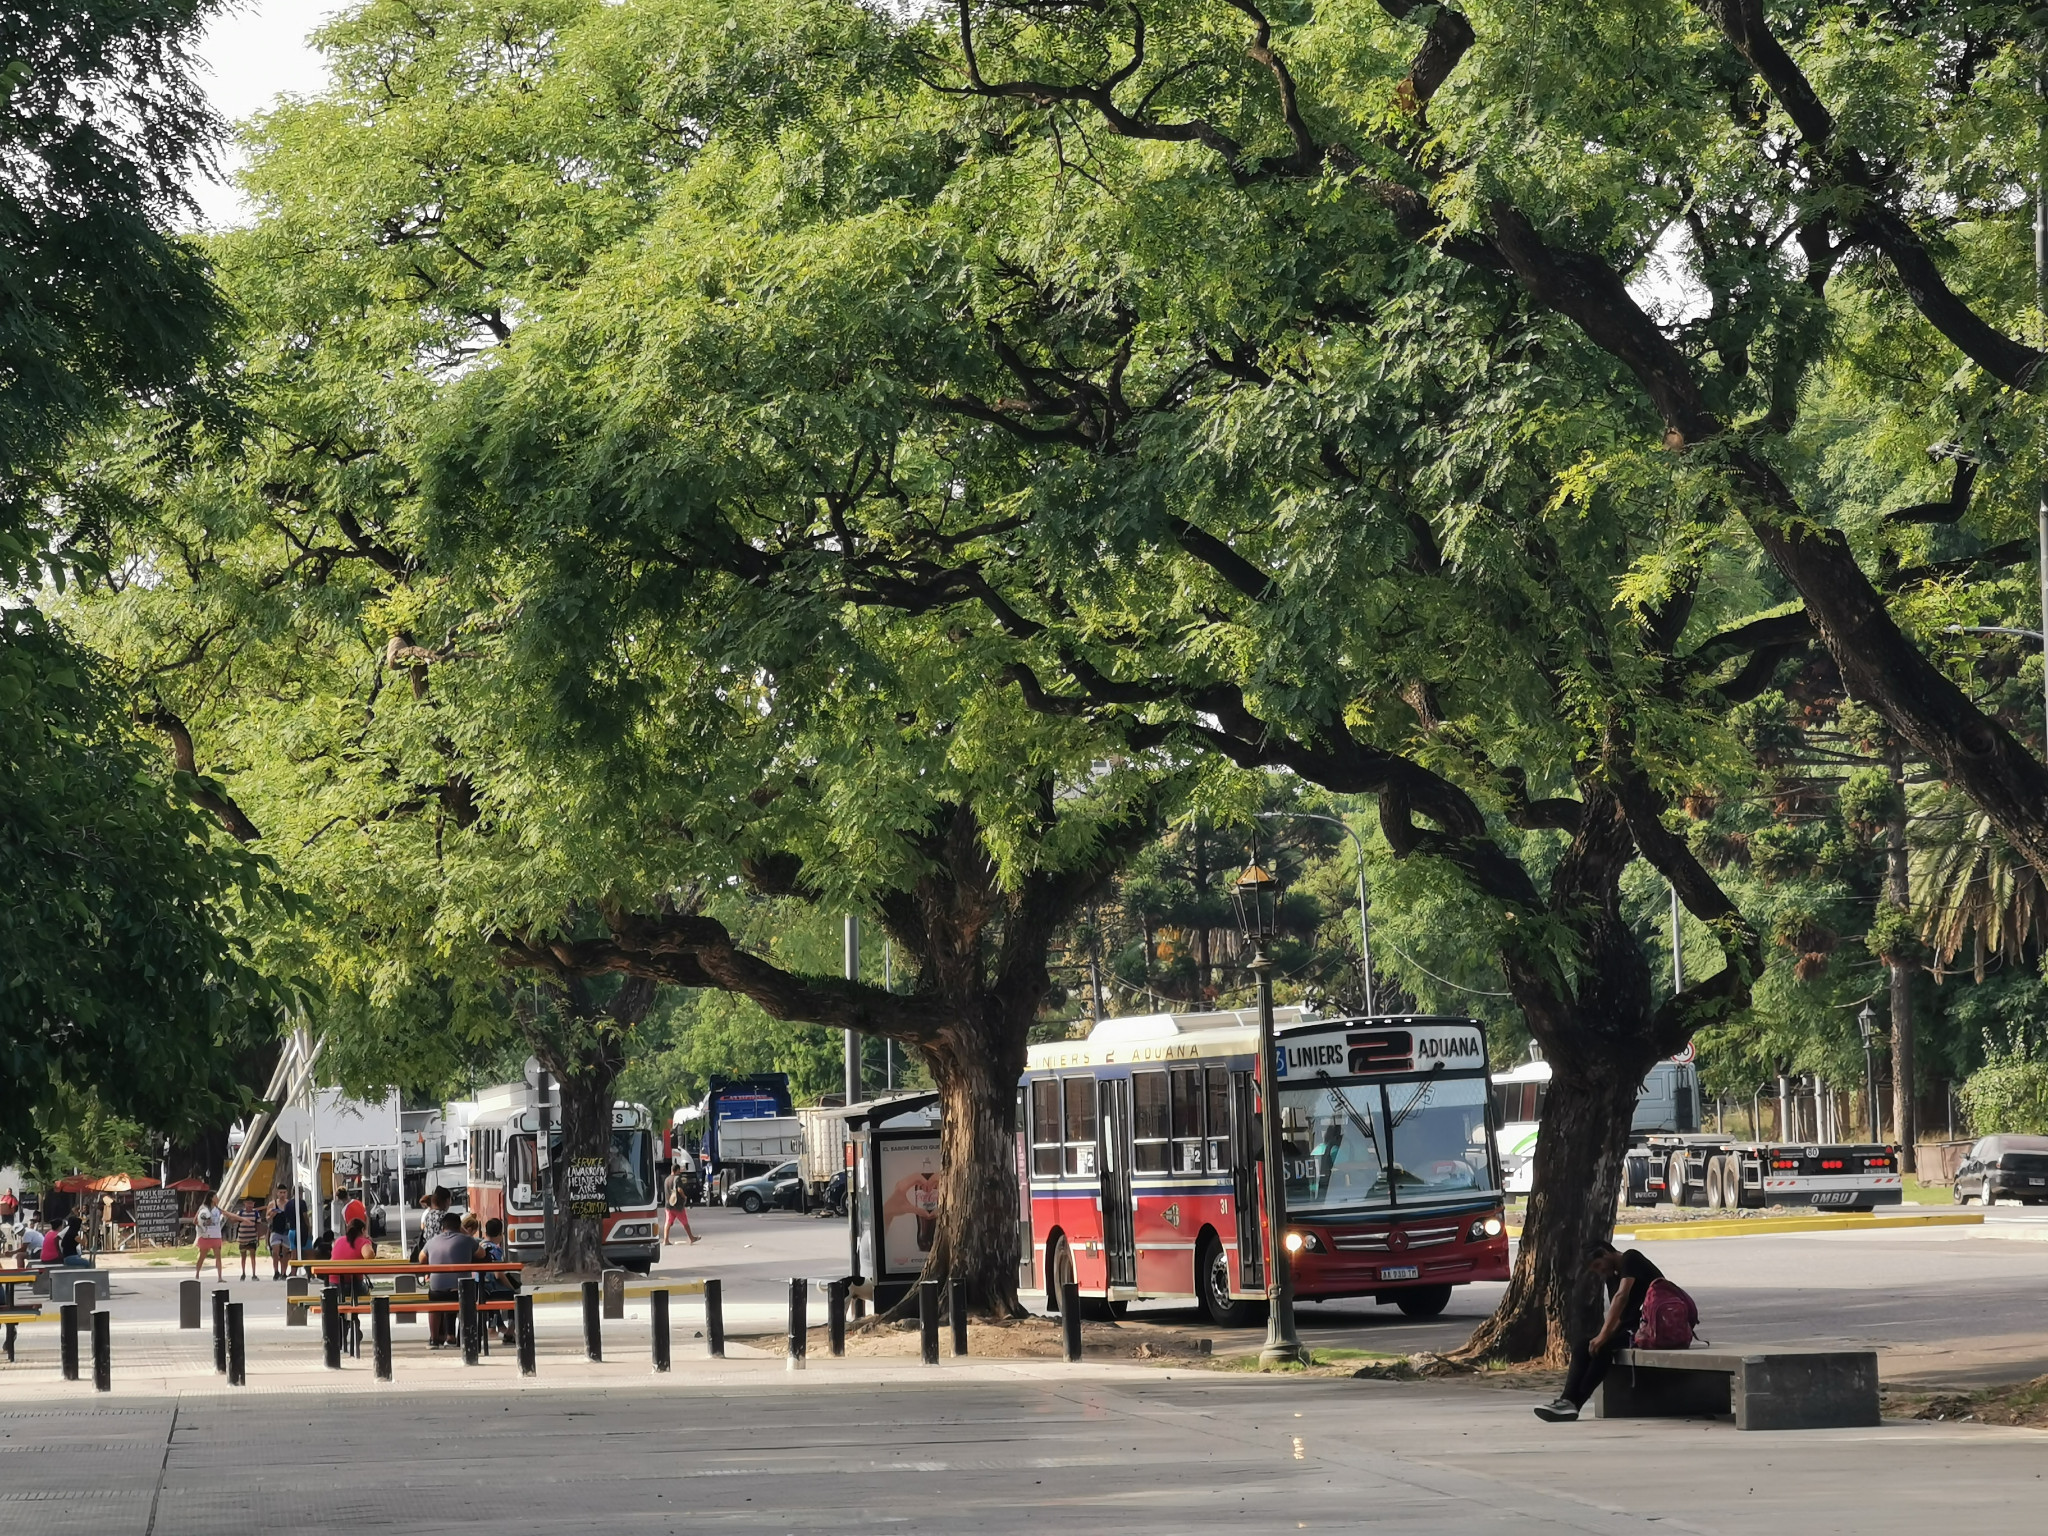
(1644, 1311)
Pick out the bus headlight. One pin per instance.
(1486, 1226)
(1297, 1241)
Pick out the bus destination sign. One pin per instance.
(1383, 1049)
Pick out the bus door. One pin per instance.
(1244, 1171)
(1027, 1255)
(1113, 1165)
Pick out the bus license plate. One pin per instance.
(2037, 1183)
(1400, 1272)
(1834, 1197)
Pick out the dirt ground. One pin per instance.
(1040, 1338)
(2024, 1404)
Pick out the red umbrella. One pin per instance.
(123, 1183)
(192, 1186)
(71, 1184)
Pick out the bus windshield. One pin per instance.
(629, 1171)
(1340, 1140)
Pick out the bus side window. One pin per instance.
(1045, 1128)
(1149, 1122)
(1079, 1094)
(1219, 1120)
(1187, 1120)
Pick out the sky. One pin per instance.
(252, 53)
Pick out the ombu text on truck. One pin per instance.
(1671, 1158)
(1139, 1171)
(505, 1175)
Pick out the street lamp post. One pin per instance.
(1257, 896)
(1866, 1025)
(1364, 931)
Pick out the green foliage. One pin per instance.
(2009, 1093)
(75, 1133)
(118, 972)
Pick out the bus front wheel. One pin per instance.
(1059, 1272)
(1424, 1300)
(1212, 1280)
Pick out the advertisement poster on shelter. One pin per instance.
(910, 1203)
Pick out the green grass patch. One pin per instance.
(1927, 1194)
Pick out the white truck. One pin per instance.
(1671, 1158)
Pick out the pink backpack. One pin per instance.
(1670, 1320)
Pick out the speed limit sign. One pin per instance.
(1686, 1055)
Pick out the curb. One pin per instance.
(1765, 1227)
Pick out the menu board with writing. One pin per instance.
(156, 1215)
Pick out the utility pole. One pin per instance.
(853, 1039)
(1095, 962)
(889, 986)
(1899, 893)
(1677, 946)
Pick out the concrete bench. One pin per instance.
(64, 1277)
(1764, 1388)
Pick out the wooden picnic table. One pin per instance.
(10, 1312)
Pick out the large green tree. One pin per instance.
(117, 975)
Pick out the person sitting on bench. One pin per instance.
(1627, 1276)
(450, 1245)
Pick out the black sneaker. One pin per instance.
(1563, 1411)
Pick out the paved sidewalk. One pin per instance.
(981, 1446)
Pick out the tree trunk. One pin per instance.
(975, 1067)
(586, 1078)
(1550, 1300)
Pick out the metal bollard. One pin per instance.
(614, 1283)
(593, 1330)
(835, 1317)
(860, 1304)
(522, 1321)
(467, 1320)
(238, 1348)
(928, 1321)
(1070, 1320)
(330, 1325)
(714, 1318)
(799, 1324)
(220, 1330)
(188, 1303)
(297, 1286)
(657, 1314)
(67, 1339)
(408, 1288)
(102, 1352)
(380, 1336)
(956, 1314)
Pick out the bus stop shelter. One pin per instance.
(892, 1196)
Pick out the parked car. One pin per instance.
(774, 1190)
(2010, 1168)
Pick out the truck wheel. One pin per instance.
(750, 1202)
(1212, 1284)
(1717, 1184)
(1674, 1180)
(1424, 1300)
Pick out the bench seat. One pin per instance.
(1764, 1387)
(364, 1309)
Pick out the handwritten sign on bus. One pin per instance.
(586, 1188)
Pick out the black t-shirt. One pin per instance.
(1636, 1266)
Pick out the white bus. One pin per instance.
(1668, 1102)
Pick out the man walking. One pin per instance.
(1627, 1276)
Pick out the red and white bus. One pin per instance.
(1138, 1161)
(504, 1180)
